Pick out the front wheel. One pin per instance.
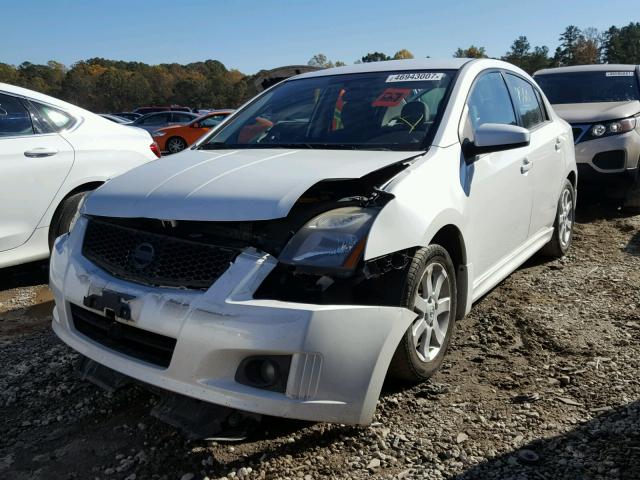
(562, 236)
(430, 291)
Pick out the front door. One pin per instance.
(499, 189)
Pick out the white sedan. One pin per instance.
(51, 154)
(330, 232)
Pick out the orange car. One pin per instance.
(175, 138)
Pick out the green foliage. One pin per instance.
(320, 60)
(621, 45)
(108, 85)
(375, 57)
(529, 60)
(471, 52)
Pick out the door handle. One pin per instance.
(558, 143)
(40, 152)
(526, 166)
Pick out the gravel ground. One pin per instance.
(541, 383)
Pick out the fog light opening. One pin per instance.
(264, 372)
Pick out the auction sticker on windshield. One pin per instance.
(391, 97)
(415, 77)
(617, 74)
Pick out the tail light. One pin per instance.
(155, 149)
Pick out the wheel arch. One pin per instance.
(451, 239)
(84, 187)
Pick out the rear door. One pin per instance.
(34, 162)
(545, 154)
(499, 193)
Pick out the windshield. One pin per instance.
(379, 110)
(589, 87)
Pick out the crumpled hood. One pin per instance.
(229, 185)
(596, 112)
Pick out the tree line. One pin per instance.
(109, 86)
(105, 85)
(576, 47)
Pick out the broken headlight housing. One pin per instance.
(332, 241)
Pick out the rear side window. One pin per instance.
(159, 119)
(489, 102)
(182, 118)
(14, 117)
(526, 101)
(52, 119)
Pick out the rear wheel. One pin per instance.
(64, 216)
(563, 225)
(430, 291)
(176, 144)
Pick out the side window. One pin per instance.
(212, 121)
(14, 117)
(490, 102)
(526, 101)
(181, 118)
(159, 119)
(54, 120)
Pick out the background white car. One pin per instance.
(51, 154)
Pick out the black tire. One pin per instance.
(407, 365)
(560, 242)
(64, 215)
(180, 143)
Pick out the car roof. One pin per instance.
(391, 65)
(25, 92)
(602, 67)
(147, 115)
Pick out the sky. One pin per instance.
(251, 35)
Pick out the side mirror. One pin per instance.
(496, 137)
(195, 125)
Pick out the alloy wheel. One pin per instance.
(566, 217)
(433, 305)
(175, 145)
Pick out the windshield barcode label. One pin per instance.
(619, 74)
(415, 77)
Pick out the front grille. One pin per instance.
(154, 259)
(134, 342)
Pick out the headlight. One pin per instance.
(158, 134)
(333, 240)
(598, 130)
(613, 128)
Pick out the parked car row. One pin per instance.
(327, 234)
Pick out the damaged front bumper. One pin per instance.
(339, 353)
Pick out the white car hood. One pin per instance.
(229, 185)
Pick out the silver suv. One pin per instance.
(602, 104)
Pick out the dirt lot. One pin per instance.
(542, 382)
